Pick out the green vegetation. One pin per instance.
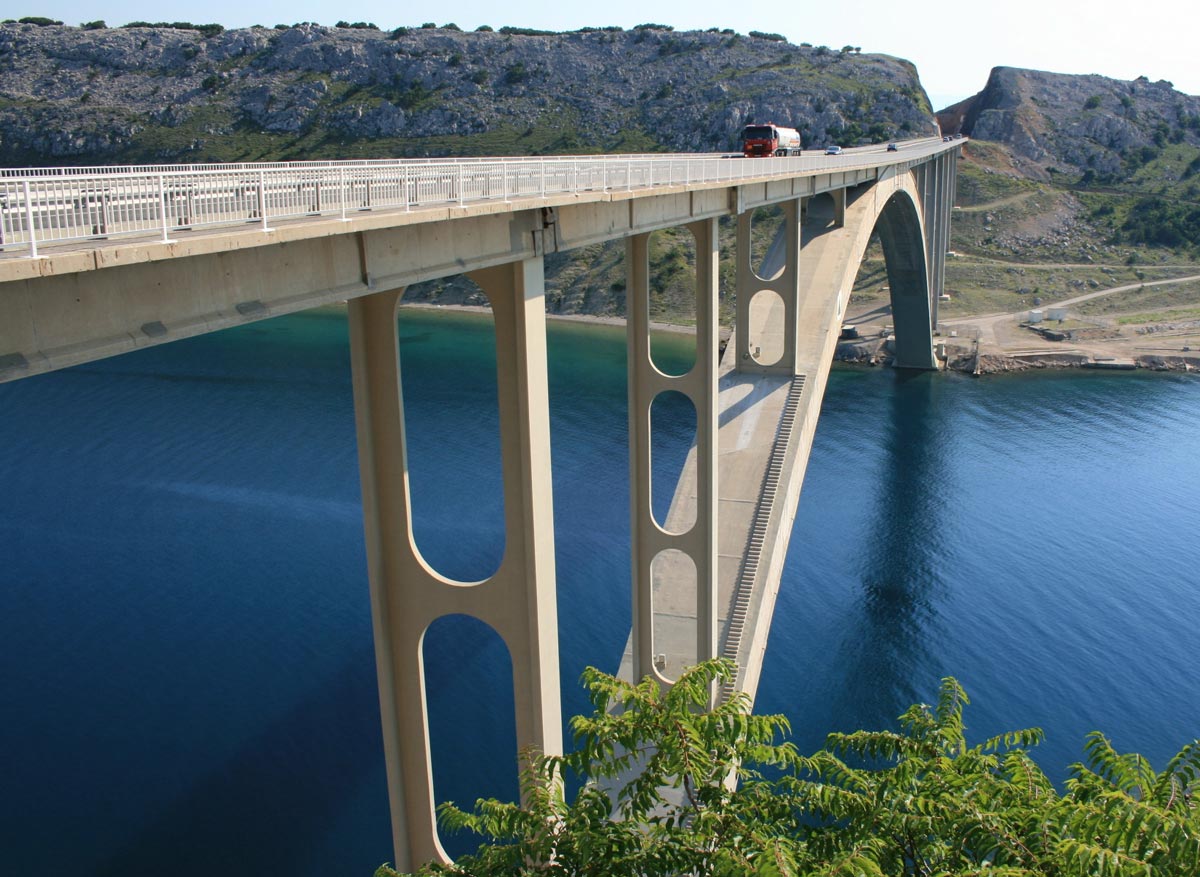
(39, 20)
(516, 74)
(917, 801)
(1159, 316)
(1157, 220)
(527, 31)
(1143, 298)
(979, 184)
(206, 30)
(990, 286)
(1065, 236)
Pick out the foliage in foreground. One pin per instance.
(919, 801)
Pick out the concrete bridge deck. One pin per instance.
(95, 288)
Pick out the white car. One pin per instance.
(833, 150)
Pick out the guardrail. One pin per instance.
(46, 206)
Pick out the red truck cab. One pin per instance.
(769, 139)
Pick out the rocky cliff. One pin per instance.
(1078, 123)
(1071, 183)
(141, 94)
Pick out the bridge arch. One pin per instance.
(893, 207)
(902, 236)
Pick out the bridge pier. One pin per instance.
(407, 595)
(649, 539)
(936, 181)
(910, 281)
(769, 346)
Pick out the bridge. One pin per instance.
(99, 261)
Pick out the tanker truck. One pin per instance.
(770, 139)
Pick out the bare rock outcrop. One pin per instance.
(72, 95)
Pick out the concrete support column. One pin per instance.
(767, 341)
(649, 538)
(407, 595)
(937, 267)
(937, 194)
(948, 164)
(527, 615)
(926, 181)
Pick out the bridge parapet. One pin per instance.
(40, 207)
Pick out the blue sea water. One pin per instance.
(188, 675)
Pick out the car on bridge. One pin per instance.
(892, 147)
(833, 150)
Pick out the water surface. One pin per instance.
(184, 622)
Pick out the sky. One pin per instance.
(953, 44)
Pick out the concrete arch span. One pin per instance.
(832, 253)
(826, 247)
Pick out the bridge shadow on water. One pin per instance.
(884, 657)
(291, 782)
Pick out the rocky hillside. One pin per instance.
(163, 94)
(1100, 129)
(1071, 183)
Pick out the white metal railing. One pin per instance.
(46, 206)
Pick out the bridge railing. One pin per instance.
(57, 205)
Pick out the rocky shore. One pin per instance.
(971, 358)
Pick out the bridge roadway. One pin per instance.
(260, 240)
(198, 250)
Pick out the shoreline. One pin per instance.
(962, 355)
(594, 319)
(970, 361)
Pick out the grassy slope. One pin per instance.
(1017, 238)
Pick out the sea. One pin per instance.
(188, 678)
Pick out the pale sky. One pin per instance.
(953, 44)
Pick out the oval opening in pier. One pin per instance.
(768, 249)
(766, 327)
(673, 299)
(673, 574)
(472, 719)
(452, 436)
(672, 435)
